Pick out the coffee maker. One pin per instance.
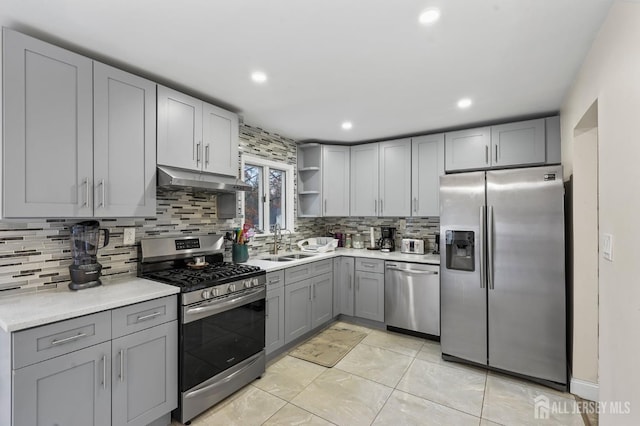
(388, 241)
(85, 269)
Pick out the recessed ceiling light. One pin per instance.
(429, 16)
(258, 77)
(347, 125)
(464, 103)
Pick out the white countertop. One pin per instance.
(27, 310)
(270, 266)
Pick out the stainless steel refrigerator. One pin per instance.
(502, 270)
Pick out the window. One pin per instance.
(270, 200)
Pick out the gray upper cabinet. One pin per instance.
(145, 375)
(195, 135)
(124, 143)
(395, 178)
(364, 180)
(335, 180)
(79, 136)
(71, 390)
(468, 149)
(521, 143)
(179, 129)
(48, 131)
(220, 141)
(427, 165)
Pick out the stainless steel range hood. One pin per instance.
(175, 178)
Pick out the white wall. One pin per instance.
(611, 75)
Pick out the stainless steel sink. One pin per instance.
(277, 259)
(298, 255)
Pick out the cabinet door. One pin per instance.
(395, 178)
(220, 139)
(427, 156)
(48, 130)
(344, 286)
(364, 180)
(145, 375)
(335, 180)
(179, 130)
(467, 149)
(518, 143)
(274, 328)
(297, 310)
(124, 143)
(70, 390)
(369, 297)
(322, 299)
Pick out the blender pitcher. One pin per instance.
(85, 269)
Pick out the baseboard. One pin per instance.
(584, 389)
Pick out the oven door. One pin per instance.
(220, 333)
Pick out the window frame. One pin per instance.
(289, 193)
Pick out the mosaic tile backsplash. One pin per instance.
(35, 254)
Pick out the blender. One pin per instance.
(85, 269)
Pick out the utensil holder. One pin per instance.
(240, 253)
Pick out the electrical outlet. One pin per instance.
(129, 236)
(607, 247)
(403, 224)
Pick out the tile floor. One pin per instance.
(387, 379)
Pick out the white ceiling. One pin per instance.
(327, 61)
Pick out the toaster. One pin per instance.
(414, 246)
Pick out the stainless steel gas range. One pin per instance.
(222, 317)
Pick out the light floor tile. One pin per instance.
(292, 415)
(406, 345)
(462, 389)
(288, 377)
(511, 401)
(485, 422)
(405, 409)
(343, 398)
(351, 326)
(252, 406)
(377, 364)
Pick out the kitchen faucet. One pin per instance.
(290, 236)
(277, 236)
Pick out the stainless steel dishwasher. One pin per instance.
(412, 297)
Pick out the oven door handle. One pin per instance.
(227, 379)
(216, 306)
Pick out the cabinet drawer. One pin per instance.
(303, 272)
(370, 265)
(275, 279)
(41, 343)
(132, 318)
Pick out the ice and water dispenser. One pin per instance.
(460, 250)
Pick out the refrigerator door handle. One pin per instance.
(490, 248)
(481, 250)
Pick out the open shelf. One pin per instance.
(308, 192)
(309, 169)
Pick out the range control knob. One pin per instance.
(232, 287)
(206, 294)
(247, 283)
(216, 292)
(254, 282)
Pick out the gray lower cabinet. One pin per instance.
(343, 285)
(297, 310)
(274, 326)
(369, 295)
(321, 299)
(144, 375)
(72, 373)
(70, 390)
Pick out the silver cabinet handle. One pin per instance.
(375, 206)
(314, 291)
(368, 265)
(483, 277)
(277, 280)
(266, 308)
(68, 339)
(103, 204)
(104, 372)
(496, 147)
(350, 282)
(148, 317)
(198, 152)
(412, 271)
(325, 205)
(206, 154)
(486, 154)
(86, 194)
(121, 375)
(490, 248)
(415, 205)
(309, 293)
(380, 206)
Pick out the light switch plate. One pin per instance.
(607, 247)
(129, 236)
